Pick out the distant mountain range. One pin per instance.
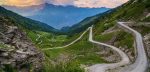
(134, 10)
(26, 23)
(57, 16)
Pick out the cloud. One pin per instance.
(89, 3)
(78, 3)
(61, 2)
(21, 2)
(99, 3)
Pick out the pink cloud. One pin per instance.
(61, 2)
(99, 3)
(89, 3)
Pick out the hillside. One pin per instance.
(17, 52)
(129, 11)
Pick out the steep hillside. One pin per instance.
(17, 52)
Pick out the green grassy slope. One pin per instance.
(80, 53)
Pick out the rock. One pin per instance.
(18, 50)
(147, 43)
(2, 50)
(5, 54)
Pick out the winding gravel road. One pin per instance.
(39, 36)
(104, 67)
(141, 63)
(69, 43)
(100, 67)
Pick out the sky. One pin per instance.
(77, 3)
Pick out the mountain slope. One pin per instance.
(133, 10)
(17, 52)
(25, 22)
(81, 26)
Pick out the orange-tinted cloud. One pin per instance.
(21, 2)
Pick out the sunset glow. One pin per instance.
(21, 2)
(78, 3)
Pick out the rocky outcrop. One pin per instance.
(147, 43)
(16, 50)
(108, 54)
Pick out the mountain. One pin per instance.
(132, 10)
(81, 26)
(26, 23)
(25, 11)
(55, 15)
(17, 51)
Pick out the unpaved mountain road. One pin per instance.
(141, 62)
(69, 43)
(104, 67)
